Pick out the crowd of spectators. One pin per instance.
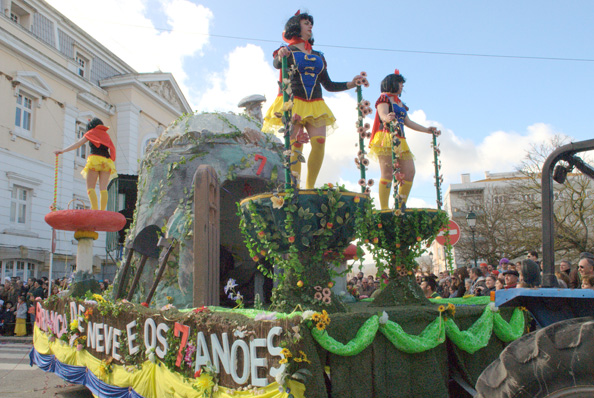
(361, 286)
(17, 302)
(485, 279)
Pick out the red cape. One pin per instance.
(98, 136)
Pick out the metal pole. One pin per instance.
(287, 123)
(473, 246)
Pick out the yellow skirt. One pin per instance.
(381, 145)
(315, 113)
(20, 329)
(99, 163)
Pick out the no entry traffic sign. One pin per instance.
(453, 235)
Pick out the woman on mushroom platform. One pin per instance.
(100, 163)
(309, 109)
(390, 108)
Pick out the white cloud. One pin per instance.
(248, 72)
(124, 28)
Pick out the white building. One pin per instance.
(54, 77)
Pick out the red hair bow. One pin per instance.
(298, 12)
(396, 72)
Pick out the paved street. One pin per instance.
(19, 380)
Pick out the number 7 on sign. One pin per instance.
(263, 159)
(185, 332)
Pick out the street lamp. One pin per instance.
(471, 222)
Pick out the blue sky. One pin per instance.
(490, 108)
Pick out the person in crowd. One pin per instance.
(529, 274)
(585, 267)
(100, 163)
(352, 288)
(533, 255)
(391, 109)
(490, 282)
(484, 268)
(565, 266)
(562, 279)
(2, 292)
(429, 287)
(511, 278)
(306, 85)
(20, 328)
(492, 270)
(588, 283)
(457, 288)
(12, 294)
(37, 289)
(478, 280)
(7, 319)
(503, 264)
(366, 288)
(467, 286)
(500, 283)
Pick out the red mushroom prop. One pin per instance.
(85, 223)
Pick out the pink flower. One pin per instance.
(296, 118)
(357, 160)
(363, 135)
(363, 74)
(362, 182)
(366, 126)
(369, 134)
(370, 182)
(367, 190)
(365, 162)
(366, 103)
(359, 82)
(360, 129)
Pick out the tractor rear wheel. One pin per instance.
(553, 362)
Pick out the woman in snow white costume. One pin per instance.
(100, 163)
(309, 109)
(390, 108)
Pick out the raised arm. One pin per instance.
(74, 146)
(416, 126)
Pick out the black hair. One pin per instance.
(390, 83)
(293, 26)
(531, 273)
(477, 271)
(431, 283)
(94, 123)
(533, 253)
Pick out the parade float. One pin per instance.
(215, 200)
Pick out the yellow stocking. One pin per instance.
(384, 192)
(314, 163)
(103, 198)
(93, 198)
(403, 191)
(296, 150)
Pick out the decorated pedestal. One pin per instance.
(398, 238)
(85, 223)
(303, 233)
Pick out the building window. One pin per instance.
(24, 113)
(81, 152)
(14, 18)
(82, 65)
(19, 269)
(19, 205)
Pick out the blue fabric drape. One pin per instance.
(80, 375)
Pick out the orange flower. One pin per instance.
(255, 258)
(263, 252)
(375, 240)
(357, 199)
(291, 239)
(380, 225)
(329, 225)
(261, 234)
(300, 284)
